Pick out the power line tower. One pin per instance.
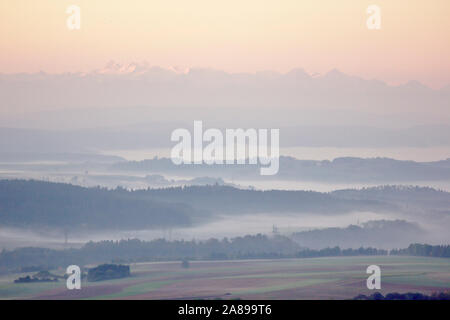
(275, 229)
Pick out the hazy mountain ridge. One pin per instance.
(33, 203)
(345, 169)
(158, 87)
(380, 234)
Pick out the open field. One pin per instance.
(309, 278)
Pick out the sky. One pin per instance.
(233, 35)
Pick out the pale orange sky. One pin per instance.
(232, 35)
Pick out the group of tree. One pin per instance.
(41, 276)
(336, 252)
(405, 296)
(425, 250)
(108, 272)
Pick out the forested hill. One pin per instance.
(406, 196)
(26, 203)
(230, 200)
(380, 234)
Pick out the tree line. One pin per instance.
(424, 250)
(134, 250)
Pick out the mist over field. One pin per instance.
(224, 149)
(108, 142)
(388, 159)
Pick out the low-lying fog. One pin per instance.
(225, 226)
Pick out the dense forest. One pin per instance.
(338, 252)
(226, 199)
(29, 203)
(107, 272)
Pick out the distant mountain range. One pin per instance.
(126, 94)
(140, 84)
